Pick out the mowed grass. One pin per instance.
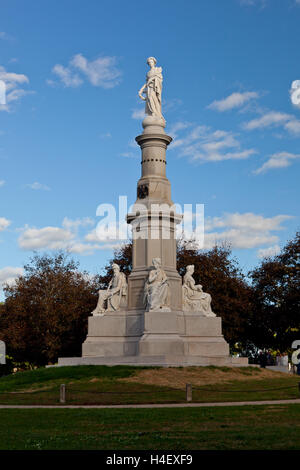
(126, 384)
(220, 428)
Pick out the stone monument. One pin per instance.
(154, 317)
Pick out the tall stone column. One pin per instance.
(154, 218)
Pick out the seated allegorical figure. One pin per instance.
(115, 296)
(193, 297)
(156, 290)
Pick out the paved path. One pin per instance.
(167, 405)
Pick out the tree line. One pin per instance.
(44, 315)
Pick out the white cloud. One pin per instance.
(4, 223)
(293, 126)
(248, 221)
(89, 248)
(2, 183)
(52, 238)
(277, 160)
(65, 237)
(105, 135)
(235, 100)
(243, 231)
(13, 82)
(67, 76)
(5, 36)
(38, 186)
(178, 126)
(268, 252)
(203, 144)
(138, 113)
(9, 274)
(101, 72)
(130, 155)
(73, 225)
(274, 119)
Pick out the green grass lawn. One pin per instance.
(222, 428)
(108, 385)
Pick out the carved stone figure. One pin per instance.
(193, 297)
(156, 290)
(152, 90)
(115, 295)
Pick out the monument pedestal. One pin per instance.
(156, 338)
(113, 334)
(161, 335)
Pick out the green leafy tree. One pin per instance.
(45, 312)
(276, 281)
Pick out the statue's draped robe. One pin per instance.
(194, 297)
(154, 89)
(113, 295)
(156, 290)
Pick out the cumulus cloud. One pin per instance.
(203, 144)
(67, 76)
(13, 84)
(277, 160)
(4, 223)
(178, 126)
(235, 100)
(268, 252)
(74, 224)
(65, 237)
(101, 72)
(271, 118)
(243, 231)
(274, 119)
(9, 274)
(2, 183)
(52, 238)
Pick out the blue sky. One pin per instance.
(72, 70)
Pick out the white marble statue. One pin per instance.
(112, 298)
(193, 297)
(156, 290)
(152, 90)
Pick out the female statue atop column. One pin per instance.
(152, 90)
(156, 290)
(111, 299)
(193, 297)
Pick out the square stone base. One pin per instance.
(173, 338)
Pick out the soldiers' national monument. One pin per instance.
(154, 317)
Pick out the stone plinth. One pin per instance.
(156, 338)
(161, 335)
(113, 334)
